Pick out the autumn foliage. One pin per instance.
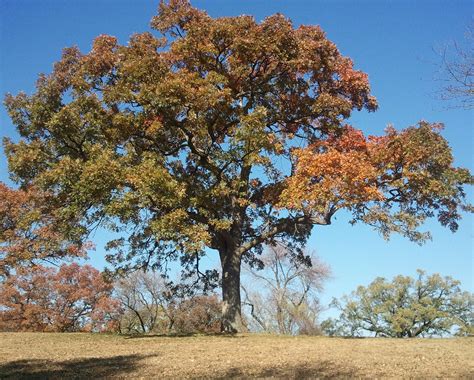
(30, 232)
(197, 314)
(409, 172)
(217, 133)
(71, 298)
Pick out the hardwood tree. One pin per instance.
(143, 298)
(457, 71)
(30, 233)
(71, 298)
(223, 134)
(153, 304)
(198, 314)
(282, 297)
(405, 308)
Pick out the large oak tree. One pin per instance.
(221, 133)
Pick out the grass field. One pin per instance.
(66, 356)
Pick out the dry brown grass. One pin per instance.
(66, 356)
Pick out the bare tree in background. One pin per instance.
(151, 304)
(457, 72)
(283, 297)
(143, 296)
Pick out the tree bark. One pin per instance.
(231, 322)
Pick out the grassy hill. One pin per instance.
(61, 356)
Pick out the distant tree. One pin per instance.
(457, 71)
(282, 297)
(223, 133)
(405, 308)
(152, 304)
(145, 299)
(71, 298)
(198, 314)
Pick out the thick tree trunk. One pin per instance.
(231, 312)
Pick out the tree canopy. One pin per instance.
(30, 232)
(220, 133)
(70, 298)
(405, 308)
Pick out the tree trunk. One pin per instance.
(231, 312)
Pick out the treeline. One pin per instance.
(281, 298)
(65, 299)
(75, 298)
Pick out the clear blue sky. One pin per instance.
(393, 41)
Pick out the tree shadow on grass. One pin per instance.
(319, 370)
(84, 368)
